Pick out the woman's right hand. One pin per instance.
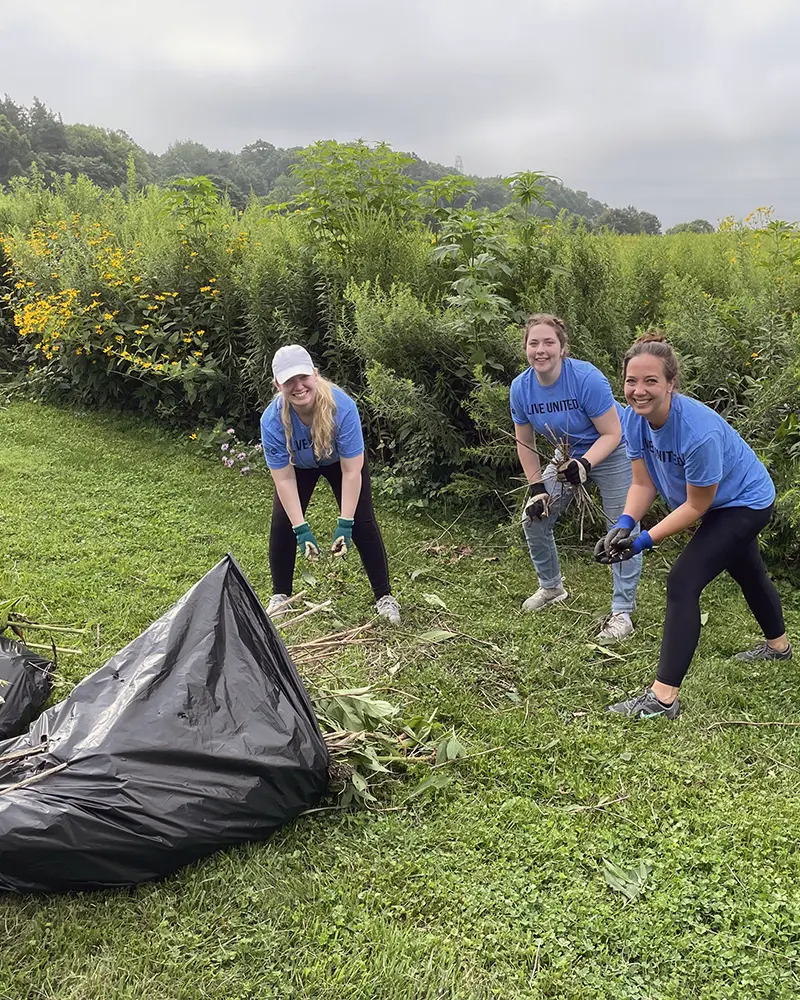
(537, 503)
(306, 542)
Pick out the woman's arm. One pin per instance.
(641, 492)
(698, 501)
(351, 484)
(286, 488)
(610, 431)
(528, 459)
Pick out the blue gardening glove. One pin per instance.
(308, 545)
(624, 526)
(627, 548)
(342, 536)
(537, 503)
(575, 471)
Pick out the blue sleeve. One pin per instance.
(703, 463)
(631, 434)
(349, 436)
(517, 406)
(273, 439)
(596, 395)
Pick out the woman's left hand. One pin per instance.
(624, 548)
(342, 536)
(575, 471)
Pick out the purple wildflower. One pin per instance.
(245, 469)
(241, 456)
(228, 462)
(230, 431)
(225, 446)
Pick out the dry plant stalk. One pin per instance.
(311, 611)
(33, 778)
(584, 500)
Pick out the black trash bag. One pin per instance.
(197, 735)
(25, 684)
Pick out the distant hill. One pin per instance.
(37, 135)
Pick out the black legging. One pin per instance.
(727, 539)
(366, 533)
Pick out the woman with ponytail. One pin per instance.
(311, 429)
(709, 477)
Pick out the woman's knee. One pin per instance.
(683, 584)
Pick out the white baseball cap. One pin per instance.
(290, 361)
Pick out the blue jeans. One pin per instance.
(613, 477)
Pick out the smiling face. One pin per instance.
(301, 391)
(647, 389)
(544, 351)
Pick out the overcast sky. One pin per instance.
(683, 108)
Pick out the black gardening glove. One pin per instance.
(537, 502)
(575, 471)
(606, 546)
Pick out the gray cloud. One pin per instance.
(682, 109)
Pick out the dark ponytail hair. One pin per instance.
(656, 345)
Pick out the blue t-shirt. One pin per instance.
(348, 440)
(566, 408)
(696, 446)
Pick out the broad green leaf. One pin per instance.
(430, 784)
(434, 600)
(6, 607)
(448, 748)
(629, 881)
(436, 635)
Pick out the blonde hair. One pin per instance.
(322, 422)
(547, 319)
(656, 345)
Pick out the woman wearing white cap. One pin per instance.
(311, 429)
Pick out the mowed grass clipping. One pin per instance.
(493, 887)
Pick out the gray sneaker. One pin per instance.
(765, 652)
(616, 627)
(388, 608)
(544, 597)
(276, 603)
(646, 706)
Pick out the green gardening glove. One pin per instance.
(342, 536)
(308, 545)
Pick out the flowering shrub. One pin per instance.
(115, 336)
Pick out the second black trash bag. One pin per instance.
(26, 680)
(197, 735)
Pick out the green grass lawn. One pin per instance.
(494, 886)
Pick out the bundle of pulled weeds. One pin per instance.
(373, 743)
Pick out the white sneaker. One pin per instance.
(544, 597)
(275, 602)
(617, 626)
(388, 608)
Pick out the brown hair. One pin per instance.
(657, 345)
(547, 319)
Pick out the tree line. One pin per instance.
(36, 139)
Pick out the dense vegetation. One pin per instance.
(172, 302)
